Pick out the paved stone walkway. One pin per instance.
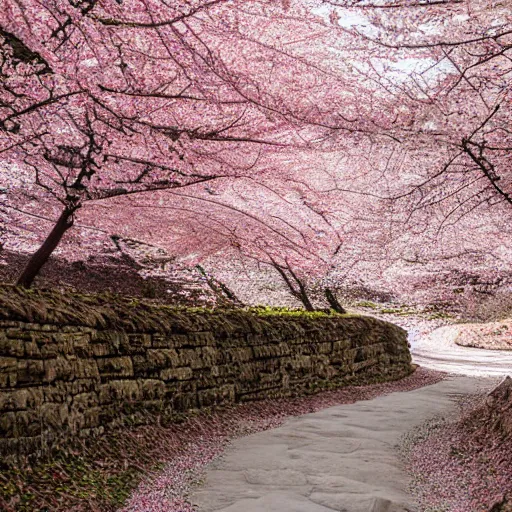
(437, 350)
(341, 459)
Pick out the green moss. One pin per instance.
(366, 304)
(109, 311)
(391, 311)
(264, 311)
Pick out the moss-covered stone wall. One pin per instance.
(75, 365)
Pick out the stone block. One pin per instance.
(96, 417)
(205, 380)
(54, 416)
(340, 345)
(210, 356)
(72, 328)
(324, 347)
(362, 365)
(30, 372)
(241, 354)
(184, 401)
(49, 350)
(169, 340)
(58, 392)
(58, 369)
(268, 351)
(19, 399)
(247, 373)
(152, 389)
(201, 339)
(214, 396)
(256, 339)
(111, 338)
(115, 366)
(81, 386)
(102, 350)
(29, 424)
(182, 373)
(86, 368)
(19, 334)
(81, 343)
(8, 424)
(135, 344)
(84, 401)
(269, 378)
(32, 350)
(11, 347)
(8, 364)
(4, 324)
(156, 359)
(190, 357)
(52, 328)
(119, 391)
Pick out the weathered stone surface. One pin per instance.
(11, 347)
(58, 368)
(30, 424)
(7, 364)
(54, 415)
(85, 368)
(184, 373)
(115, 366)
(152, 389)
(30, 372)
(7, 424)
(135, 343)
(73, 380)
(119, 391)
(19, 399)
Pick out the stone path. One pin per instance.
(437, 350)
(342, 459)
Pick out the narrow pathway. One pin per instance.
(342, 459)
(437, 350)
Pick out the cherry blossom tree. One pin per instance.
(448, 64)
(100, 100)
(278, 132)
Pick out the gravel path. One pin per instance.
(343, 458)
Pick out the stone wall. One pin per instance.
(62, 379)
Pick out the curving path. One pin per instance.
(437, 350)
(344, 458)
(341, 459)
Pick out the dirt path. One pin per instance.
(341, 459)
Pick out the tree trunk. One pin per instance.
(41, 256)
(333, 301)
(300, 294)
(219, 288)
(303, 296)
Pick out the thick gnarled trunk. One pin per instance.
(40, 257)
